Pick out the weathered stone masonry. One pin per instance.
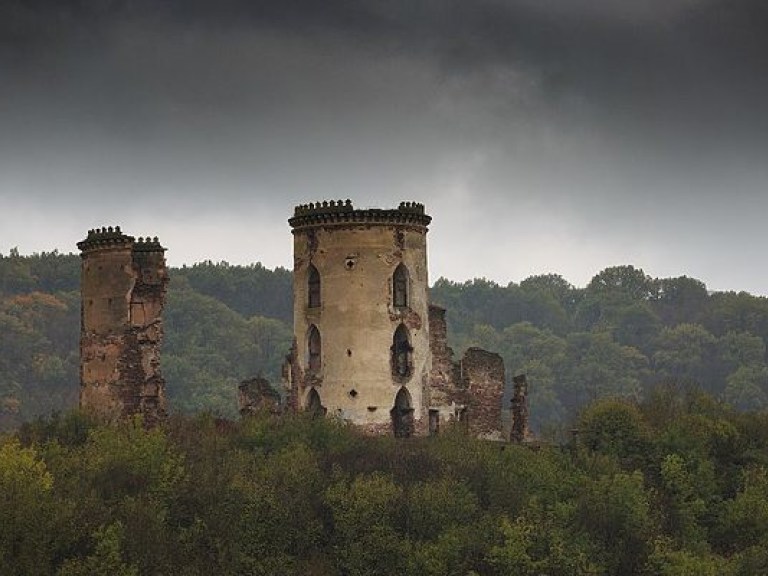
(369, 348)
(468, 391)
(122, 297)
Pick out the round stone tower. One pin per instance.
(123, 287)
(361, 325)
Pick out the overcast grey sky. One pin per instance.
(543, 136)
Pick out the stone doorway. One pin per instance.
(402, 415)
(315, 407)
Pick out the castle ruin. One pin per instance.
(123, 290)
(369, 348)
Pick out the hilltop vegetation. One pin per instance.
(619, 336)
(673, 486)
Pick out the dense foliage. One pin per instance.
(676, 485)
(618, 337)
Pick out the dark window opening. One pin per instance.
(401, 353)
(315, 349)
(314, 406)
(400, 287)
(402, 415)
(434, 422)
(314, 287)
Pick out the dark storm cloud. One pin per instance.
(696, 65)
(567, 114)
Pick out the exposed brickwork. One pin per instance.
(442, 389)
(124, 283)
(481, 377)
(469, 390)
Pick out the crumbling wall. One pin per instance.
(469, 391)
(447, 402)
(124, 283)
(480, 375)
(442, 390)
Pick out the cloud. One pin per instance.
(609, 129)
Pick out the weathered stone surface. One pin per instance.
(480, 374)
(359, 371)
(122, 297)
(365, 360)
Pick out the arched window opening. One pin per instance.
(314, 287)
(315, 407)
(315, 349)
(400, 287)
(402, 414)
(401, 353)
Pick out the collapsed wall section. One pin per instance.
(468, 391)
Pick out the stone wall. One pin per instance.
(480, 375)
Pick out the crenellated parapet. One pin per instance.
(147, 244)
(343, 213)
(105, 238)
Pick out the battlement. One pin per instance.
(148, 245)
(105, 237)
(333, 212)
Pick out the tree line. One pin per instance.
(619, 336)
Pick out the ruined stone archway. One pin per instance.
(402, 414)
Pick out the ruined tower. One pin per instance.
(361, 347)
(123, 292)
(368, 346)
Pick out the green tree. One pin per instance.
(26, 511)
(682, 300)
(598, 367)
(616, 428)
(683, 353)
(106, 559)
(365, 516)
(615, 510)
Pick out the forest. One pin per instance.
(676, 485)
(620, 336)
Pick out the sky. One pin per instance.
(543, 136)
